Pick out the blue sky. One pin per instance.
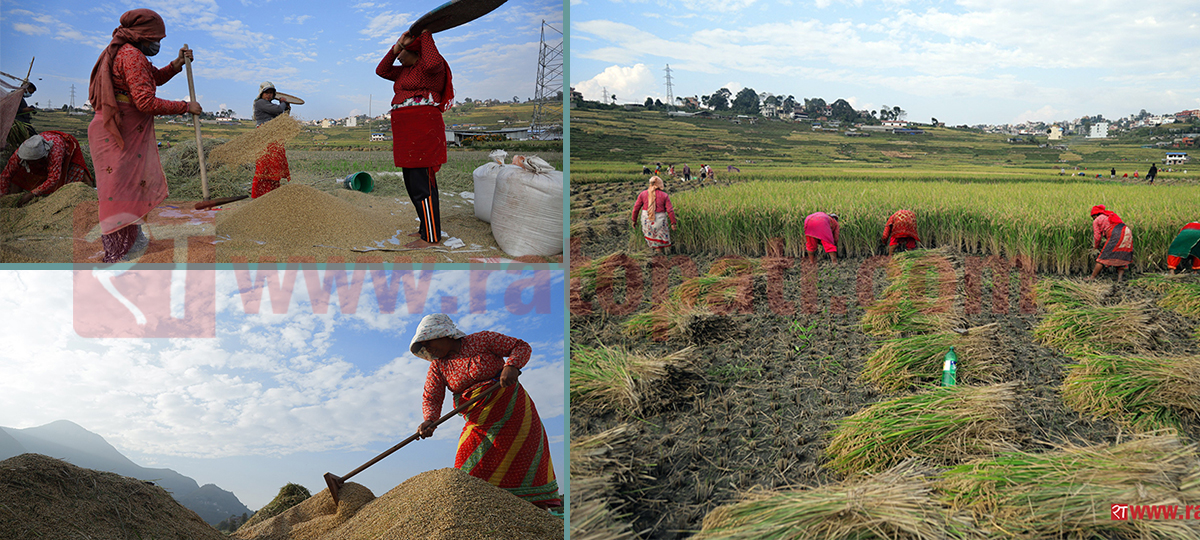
(964, 62)
(274, 398)
(324, 52)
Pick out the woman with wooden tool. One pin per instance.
(272, 167)
(129, 176)
(423, 92)
(504, 441)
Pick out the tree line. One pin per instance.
(749, 102)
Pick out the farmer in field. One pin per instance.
(272, 166)
(1113, 240)
(1185, 246)
(42, 164)
(687, 173)
(654, 208)
(423, 92)
(129, 177)
(504, 441)
(821, 228)
(901, 230)
(1150, 175)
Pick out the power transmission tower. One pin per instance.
(547, 116)
(605, 95)
(670, 91)
(72, 97)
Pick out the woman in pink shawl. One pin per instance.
(654, 208)
(1112, 240)
(821, 228)
(129, 177)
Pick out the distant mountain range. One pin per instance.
(69, 442)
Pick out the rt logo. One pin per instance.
(1120, 512)
(144, 304)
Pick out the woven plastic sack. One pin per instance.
(485, 184)
(527, 211)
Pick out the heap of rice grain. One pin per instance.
(317, 517)
(53, 215)
(249, 146)
(299, 215)
(42, 497)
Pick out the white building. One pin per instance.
(1055, 133)
(380, 137)
(1176, 158)
(1099, 131)
(352, 121)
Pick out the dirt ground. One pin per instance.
(765, 386)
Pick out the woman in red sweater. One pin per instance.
(423, 92)
(654, 207)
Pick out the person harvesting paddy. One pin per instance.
(901, 227)
(821, 228)
(1185, 246)
(503, 441)
(1113, 239)
(272, 167)
(129, 176)
(423, 92)
(654, 208)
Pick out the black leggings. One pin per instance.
(422, 190)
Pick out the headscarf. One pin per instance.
(1112, 216)
(448, 91)
(655, 185)
(34, 148)
(136, 26)
(433, 326)
(264, 87)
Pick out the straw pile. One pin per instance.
(42, 497)
(311, 519)
(1178, 296)
(896, 504)
(449, 504)
(727, 286)
(1069, 492)
(919, 298)
(902, 363)
(1141, 393)
(607, 378)
(1127, 326)
(943, 425)
(247, 147)
(1059, 294)
(595, 461)
(289, 495)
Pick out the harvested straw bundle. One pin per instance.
(1069, 492)
(42, 497)
(311, 519)
(896, 504)
(607, 378)
(919, 298)
(1178, 296)
(248, 147)
(670, 318)
(1124, 326)
(1142, 393)
(1058, 294)
(902, 363)
(589, 272)
(944, 425)
(594, 514)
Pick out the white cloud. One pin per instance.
(630, 84)
(30, 29)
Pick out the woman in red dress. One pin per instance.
(129, 176)
(423, 92)
(504, 441)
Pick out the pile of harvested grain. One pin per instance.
(317, 517)
(289, 496)
(247, 147)
(449, 504)
(52, 215)
(42, 497)
(296, 215)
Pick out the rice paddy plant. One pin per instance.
(897, 503)
(1180, 296)
(1040, 220)
(942, 425)
(1068, 492)
(607, 378)
(902, 363)
(1058, 294)
(668, 318)
(917, 300)
(1124, 326)
(1143, 393)
(589, 271)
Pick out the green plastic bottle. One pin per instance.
(950, 368)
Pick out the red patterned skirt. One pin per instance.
(270, 168)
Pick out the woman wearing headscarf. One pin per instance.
(821, 228)
(423, 92)
(1186, 245)
(503, 441)
(42, 164)
(271, 167)
(1113, 238)
(653, 207)
(901, 227)
(129, 176)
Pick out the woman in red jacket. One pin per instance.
(423, 92)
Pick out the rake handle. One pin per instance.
(415, 436)
(196, 122)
